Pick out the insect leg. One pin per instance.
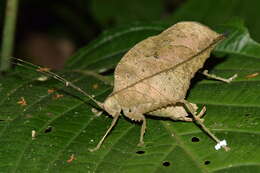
(201, 114)
(136, 116)
(141, 142)
(107, 132)
(195, 108)
(212, 76)
(200, 122)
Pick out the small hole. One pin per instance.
(166, 164)
(49, 129)
(247, 115)
(195, 139)
(207, 162)
(140, 152)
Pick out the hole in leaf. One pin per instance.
(166, 163)
(140, 152)
(207, 162)
(195, 139)
(48, 129)
(247, 115)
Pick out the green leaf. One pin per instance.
(67, 126)
(124, 12)
(105, 52)
(217, 12)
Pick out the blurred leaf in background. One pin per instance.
(51, 31)
(218, 12)
(116, 12)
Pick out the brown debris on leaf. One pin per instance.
(72, 157)
(22, 102)
(43, 69)
(252, 75)
(57, 96)
(95, 86)
(50, 91)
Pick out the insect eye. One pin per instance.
(155, 55)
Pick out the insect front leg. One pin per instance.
(115, 118)
(212, 76)
(136, 116)
(142, 132)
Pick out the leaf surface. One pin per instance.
(212, 13)
(66, 126)
(107, 12)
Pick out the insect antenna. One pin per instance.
(46, 71)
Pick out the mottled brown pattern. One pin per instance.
(153, 77)
(154, 54)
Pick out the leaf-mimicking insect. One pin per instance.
(153, 77)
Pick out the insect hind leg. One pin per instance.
(200, 122)
(176, 112)
(212, 76)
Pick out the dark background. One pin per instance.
(48, 32)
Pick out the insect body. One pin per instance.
(154, 76)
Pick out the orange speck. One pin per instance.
(72, 157)
(57, 96)
(22, 102)
(95, 86)
(50, 91)
(252, 75)
(43, 69)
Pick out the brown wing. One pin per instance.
(157, 53)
